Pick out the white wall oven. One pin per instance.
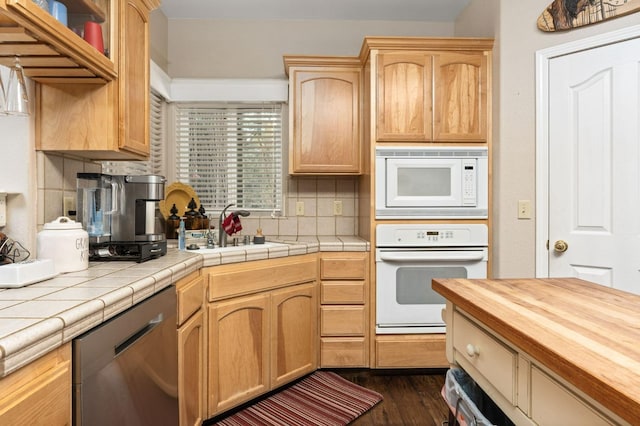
(408, 257)
(432, 182)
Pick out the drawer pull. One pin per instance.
(472, 350)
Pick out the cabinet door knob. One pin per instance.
(472, 350)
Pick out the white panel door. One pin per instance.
(594, 202)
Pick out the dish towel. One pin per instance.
(231, 224)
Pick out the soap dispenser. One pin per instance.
(258, 238)
(182, 235)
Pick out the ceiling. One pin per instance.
(383, 10)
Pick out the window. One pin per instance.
(231, 154)
(155, 165)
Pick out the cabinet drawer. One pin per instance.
(342, 292)
(343, 352)
(552, 403)
(410, 351)
(243, 278)
(339, 267)
(190, 296)
(495, 361)
(342, 321)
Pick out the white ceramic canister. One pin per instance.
(66, 243)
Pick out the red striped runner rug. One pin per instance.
(323, 398)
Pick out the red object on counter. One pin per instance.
(231, 224)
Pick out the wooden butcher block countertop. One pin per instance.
(586, 333)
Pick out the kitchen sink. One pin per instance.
(239, 248)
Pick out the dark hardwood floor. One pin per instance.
(410, 397)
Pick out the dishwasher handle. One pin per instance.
(432, 256)
(148, 328)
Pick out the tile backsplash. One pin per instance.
(57, 180)
(318, 196)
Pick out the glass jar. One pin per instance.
(43, 4)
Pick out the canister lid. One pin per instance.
(63, 222)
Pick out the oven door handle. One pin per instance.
(433, 256)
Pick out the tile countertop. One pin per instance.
(41, 317)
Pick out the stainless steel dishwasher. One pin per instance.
(125, 370)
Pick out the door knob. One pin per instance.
(560, 246)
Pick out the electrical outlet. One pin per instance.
(337, 208)
(3, 209)
(69, 205)
(300, 208)
(524, 209)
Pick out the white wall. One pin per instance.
(159, 39)
(254, 49)
(517, 40)
(18, 173)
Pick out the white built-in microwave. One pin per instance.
(431, 182)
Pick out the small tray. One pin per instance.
(27, 272)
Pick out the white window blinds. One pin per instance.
(155, 165)
(231, 154)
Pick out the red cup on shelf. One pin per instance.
(93, 35)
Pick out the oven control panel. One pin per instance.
(405, 235)
(435, 236)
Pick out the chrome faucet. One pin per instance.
(222, 234)
(210, 238)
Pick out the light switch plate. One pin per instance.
(524, 209)
(300, 208)
(337, 208)
(69, 204)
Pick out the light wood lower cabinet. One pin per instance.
(238, 351)
(39, 393)
(262, 328)
(344, 311)
(294, 331)
(191, 334)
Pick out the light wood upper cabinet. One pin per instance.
(48, 50)
(460, 80)
(430, 89)
(134, 78)
(404, 99)
(103, 121)
(324, 117)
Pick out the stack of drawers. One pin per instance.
(344, 311)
